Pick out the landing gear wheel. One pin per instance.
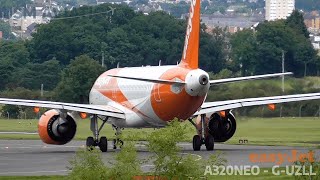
(209, 142)
(103, 144)
(90, 143)
(196, 143)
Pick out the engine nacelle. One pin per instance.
(54, 129)
(222, 128)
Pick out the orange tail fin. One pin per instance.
(190, 56)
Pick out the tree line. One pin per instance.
(260, 51)
(65, 55)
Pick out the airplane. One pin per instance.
(151, 96)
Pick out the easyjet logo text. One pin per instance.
(280, 158)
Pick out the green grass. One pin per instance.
(261, 131)
(278, 131)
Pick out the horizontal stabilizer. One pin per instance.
(160, 81)
(230, 80)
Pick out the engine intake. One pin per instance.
(54, 129)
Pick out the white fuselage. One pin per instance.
(148, 104)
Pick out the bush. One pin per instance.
(309, 167)
(168, 160)
(127, 164)
(88, 165)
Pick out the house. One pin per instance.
(31, 29)
(21, 21)
(41, 12)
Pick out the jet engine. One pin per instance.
(222, 128)
(56, 128)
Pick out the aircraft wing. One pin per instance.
(103, 110)
(209, 107)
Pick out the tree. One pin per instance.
(12, 55)
(6, 30)
(244, 51)
(213, 53)
(296, 22)
(16, 52)
(77, 80)
(6, 69)
(275, 37)
(126, 37)
(33, 75)
(10, 111)
(11, 3)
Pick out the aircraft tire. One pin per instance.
(209, 142)
(103, 144)
(196, 143)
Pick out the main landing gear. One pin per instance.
(203, 137)
(95, 141)
(103, 141)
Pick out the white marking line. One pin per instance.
(140, 145)
(33, 172)
(184, 144)
(29, 133)
(199, 157)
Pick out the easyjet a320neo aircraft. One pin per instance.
(141, 97)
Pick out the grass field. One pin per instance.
(262, 131)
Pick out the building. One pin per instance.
(315, 40)
(233, 23)
(312, 21)
(21, 22)
(279, 9)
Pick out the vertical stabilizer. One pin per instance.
(190, 56)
